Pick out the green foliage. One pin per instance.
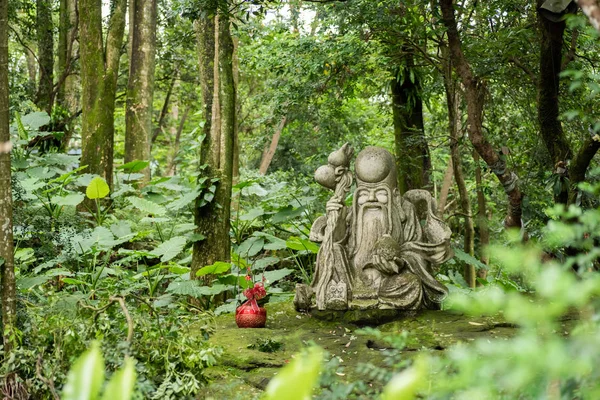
(97, 189)
(296, 380)
(86, 378)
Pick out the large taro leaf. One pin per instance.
(170, 249)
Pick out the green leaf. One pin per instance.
(251, 246)
(121, 228)
(71, 199)
(73, 281)
(265, 262)
(86, 376)
(36, 120)
(468, 259)
(193, 288)
(296, 243)
(278, 274)
(404, 385)
(120, 386)
(170, 249)
(275, 243)
(97, 189)
(286, 213)
(147, 206)
(30, 282)
(297, 379)
(217, 268)
(252, 214)
(226, 308)
(134, 166)
(183, 200)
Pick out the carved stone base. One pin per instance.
(365, 317)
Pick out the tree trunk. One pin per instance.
(163, 111)
(482, 221)
(63, 46)
(215, 50)
(172, 168)
(551, 50)
(236, 134)
(7, 266)
(140, 86)
(446, 183)
(453, 105)
(412, 153)
(580, 164)
(475, 97)
(98, 84)
(44, 26)
(268, 155)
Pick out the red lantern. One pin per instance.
(249, 314)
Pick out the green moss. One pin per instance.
(241, 367)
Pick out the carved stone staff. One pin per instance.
(332, 281)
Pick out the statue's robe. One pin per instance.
(420, 248)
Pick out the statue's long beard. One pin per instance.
(371, 225)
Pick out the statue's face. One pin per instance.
(372, 197)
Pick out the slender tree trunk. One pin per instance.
(44, 98)
(236, 134)
(446, 183)
(72, 85)
(453, 104)
(475, 97)
(482, 221)
(32, 66)
(7, 266)
(172, 168)
(268, 155)
(63, 46)
(163, 111)
(98, 84)
(412, 153)
(140, 86)
(215, 51)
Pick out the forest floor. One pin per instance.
(244, 371)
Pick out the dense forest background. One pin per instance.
(157, 158)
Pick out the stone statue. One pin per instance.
(380, 252)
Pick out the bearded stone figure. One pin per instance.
(382, 251)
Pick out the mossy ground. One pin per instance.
(243, 373)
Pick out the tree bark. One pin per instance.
(215, 49)
(163, 111)
(580, 164)
(7, 266)
(551, 51)
(446, 183)
(475, 92)
(172, 168)
(453, 106)
(45, 40)
(591, 8)
(482, 221)
(98, 84)
(268, 155)
(412, 153)
(140, 86)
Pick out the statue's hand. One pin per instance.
(333, 206)
(388, 267)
